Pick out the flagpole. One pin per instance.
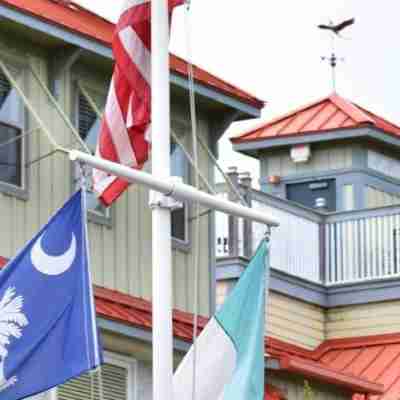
(161, 214)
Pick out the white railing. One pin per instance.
(332, 249)
(222, 230)
(294, 244)
(363, 248)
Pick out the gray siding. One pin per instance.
(323, 158)
(384, 163)
(379, 198)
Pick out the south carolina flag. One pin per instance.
(230, 350)
(48, 331)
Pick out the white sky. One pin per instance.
(273, 48)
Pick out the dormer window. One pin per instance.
(11, 141)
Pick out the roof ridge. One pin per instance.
(378, 116)
(351, 109)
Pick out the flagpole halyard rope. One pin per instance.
(63, 115)
(196, 244)
(42, 127)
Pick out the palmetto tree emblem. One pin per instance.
(12, 320)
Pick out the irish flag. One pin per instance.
(230, 350)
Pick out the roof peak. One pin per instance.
(332, 112)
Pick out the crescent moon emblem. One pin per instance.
(52, 265)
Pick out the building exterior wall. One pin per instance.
(121, 251)
(223, 289)
(293, 387)
(287, 319)
(295, 321)
(323, 158)
(384, 162)
(363, 320)
(379, 198)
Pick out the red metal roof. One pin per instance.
(297, 360)
(365, 365)
(330, 113)
(137, 312)
(370, 359)
(77, 19)
(375, 358)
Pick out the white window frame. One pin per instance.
(93, 215)
(179, 244)
(19, 191)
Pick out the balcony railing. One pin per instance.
(332, 249)
(362, 246)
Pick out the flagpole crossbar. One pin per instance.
(172, 188)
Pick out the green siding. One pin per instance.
(121, 254)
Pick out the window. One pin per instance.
(89, 128)
(118, 374)
(11, 142)
(179, 218)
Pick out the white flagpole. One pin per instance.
(161, 214)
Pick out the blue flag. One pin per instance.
(48, 331)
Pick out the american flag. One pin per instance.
(125, 135)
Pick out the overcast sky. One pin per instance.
(273, 50)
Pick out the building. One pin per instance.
(57, 51)
(330, 174)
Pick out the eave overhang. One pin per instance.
(252, 148)
(68, 37)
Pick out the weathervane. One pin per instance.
(335, 32)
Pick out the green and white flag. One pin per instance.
(230, 350)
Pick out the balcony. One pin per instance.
(330, 249)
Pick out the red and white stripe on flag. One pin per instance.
(125, 135)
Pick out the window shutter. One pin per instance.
(115, 383)
(5, 88)
(87, 117)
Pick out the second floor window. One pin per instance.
(11, 130)
(179, 218)
(89, 127)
